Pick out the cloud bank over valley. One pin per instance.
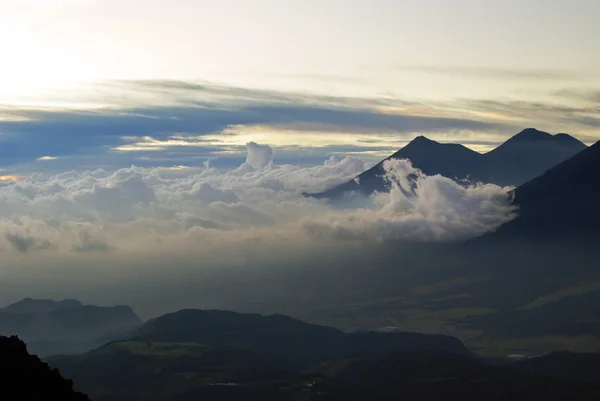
(98, 211)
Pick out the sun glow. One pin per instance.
(36, 65)
(10, 178)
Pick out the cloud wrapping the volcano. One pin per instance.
(135, 209)
(420, 208)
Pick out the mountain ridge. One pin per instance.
(66, 326)
(31, 305)
(282, 337)
(419, 151)
(519, 159)
(559, 204)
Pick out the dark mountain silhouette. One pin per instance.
(30, 305)
(24, 377)
(283, 338)
(66, 327)
(519, 159)
(561, 204)
(527, 155)
(450, 160)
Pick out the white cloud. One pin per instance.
(45, 158)
(259, 156)
(135, 209)
(420, 208)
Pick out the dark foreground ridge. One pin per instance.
(26, 378)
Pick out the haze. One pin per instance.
(146, 144)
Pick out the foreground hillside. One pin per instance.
(26, 378)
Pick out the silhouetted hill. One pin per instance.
(519, 159)
(29, 305)
(450, 160)
(25, 378)
(527, 155)
(284, 339)
(560, 204)
(68, 326)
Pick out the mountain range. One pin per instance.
(513, 297)
(67, 326)
(518, 160)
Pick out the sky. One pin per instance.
(311, 78)
(133, 126)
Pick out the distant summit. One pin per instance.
(531, 134)
(527, 155)
(431, 157)
(30, 305)
(521, 158)
(566, 138)
(67, 326)
(422, 140)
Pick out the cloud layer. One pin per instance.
(161, 122)
(137, 209)
(421, 208)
